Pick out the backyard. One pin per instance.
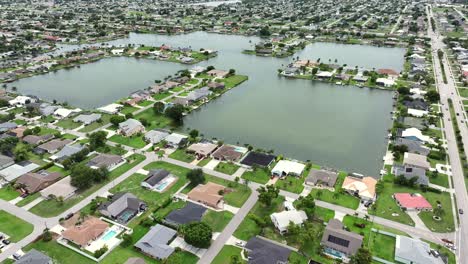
(227, 168)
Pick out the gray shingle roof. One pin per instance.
(190, 213)
(119, 203)
(155, 242)
(155, 176)
(262, 251)
(34, 257)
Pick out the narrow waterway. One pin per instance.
(338, 126)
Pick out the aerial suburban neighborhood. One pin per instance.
(233, 132)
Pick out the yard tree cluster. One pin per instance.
(363, 256)
(198, 234)
(196, 176)
(176, 113)
(97, 139)
(267, 194)
(82, 177)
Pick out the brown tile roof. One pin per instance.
(35, 182)
(227, 153)
(207, 194)
(87, 231)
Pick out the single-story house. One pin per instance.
(156, 136)
(111, 109)
(199, 94)
(17, 132)
(53, 146)
(282, 219)
(362, 187)
(416, 161)
(14, 171)
(287, 167)
(263, 251)
(413, 146)
(183, 101)
(122, 207)
(34, 257)
(339, 243)
(130, 127)
(108, 161)
(385, 82)
(416, 134)
(156, 242)
(207, 194)
(62, 188)
(86, 232)
(36, 181)
(411, 172)
(216, 85)
(6, 161)
(87, 119)
(153, 178)
(64, 112)
(67, 152)
(218, 73)
(34, 139)
(189, 213)
(411, 250)
(7, 126)
(22, 100)
(417, 112)
(202, 149)
(321, 178)
(175, 140)
(258, 159)
(228, 153)
(412, 202)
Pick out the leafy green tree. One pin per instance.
(97, 139)
(432, 96)
(21, 152)
(176, 113)
(198, 234)
(117, 119)
(194, 133)
(267, 194)
(158, 107)
(363, 256)
(196, 176)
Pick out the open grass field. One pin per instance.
(13, 226)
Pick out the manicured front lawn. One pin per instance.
(13, 226)
(105, 119)
(291, 184)
(182, 155)
(203, 162)
(239, 192)
(248, 228)
(68, 123)
(128, 109)
(51, 207)
(227, 168)
(440, 179)
(28, 199)
(382, 246)
(217, 220)
(8, 193)
(234, 80)
(154, 120)
(58, 252)
(342, 199)
(261, 176)
(226, 253)
(133, 141)
(161, 96)
(324, 214)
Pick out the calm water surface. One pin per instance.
(337, 126)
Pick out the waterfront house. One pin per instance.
(258, 159)
(156, 242)
(130, 127)
(360, 78)
(191, 212)
(416, 135)
(320, 177)
(413, 146)
(176, 140)
(228, 153)
(87, 119)
(283, 219)
(218, 73)
(199, 94)
(62, 188)
(417, 112)
(287, 167)
(64, 112)
(416, 161)
(412, 202)
(216, 85)
(263, 251)
(86, 232)
(33, 182)
(411, 250)
(324, 75)
(202, 149)
(208, 194)
(363, 187)
(183, 101)
(122, 207)
(22, 100)
(385, 82)
(339, 243)
(111, 109)
(155, 136)
(108, 161)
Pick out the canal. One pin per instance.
(337, 126)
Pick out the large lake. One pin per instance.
(337, 126)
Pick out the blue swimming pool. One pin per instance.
(110, 234)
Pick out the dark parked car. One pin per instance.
(460, 211)
(6, 242)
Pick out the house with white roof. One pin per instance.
(288, 167)
(175, 140)
(281, 220)
(64, 112)
(14, 171)
(111, 109)
(21, 100)
(411, 251)
(385, 82)
(417, 112)
(416, 134)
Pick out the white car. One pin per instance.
(240, 243)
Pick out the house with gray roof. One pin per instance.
(34, 139)
(122, 207)
(108, 161)
(154, 177)
(413, 146)
(191, 212)
(321, 177)
(87, 119)
(156, 136)
(411, 172)
(7, 126)
(156, 242)
(130, 127)
(67, 152)
(12, 172)
(263, 251)
(34, 257)
(52, 146)
(6, 161)
(414, 251)
(339, 243)
(47, 109)
(199, 94)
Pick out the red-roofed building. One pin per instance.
(412, 202)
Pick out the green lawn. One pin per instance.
(154, 120)
(203, 162)
(291, 184)
(324, 214)
(441, 180)
(226, 253)
(69, 136)
(50, 208)
(128, 109)
(238, 194)
(68, 123)
(342, 199)
(217, 220)
(226, 168)
(8, 193)
(261, 176)
(133, 141)
(161, 96)
(182, 155)
(382, 246)
(234, 80)
(105, 119)
(248, 228)
(13, 226)
(28, 199)
(145, 103)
